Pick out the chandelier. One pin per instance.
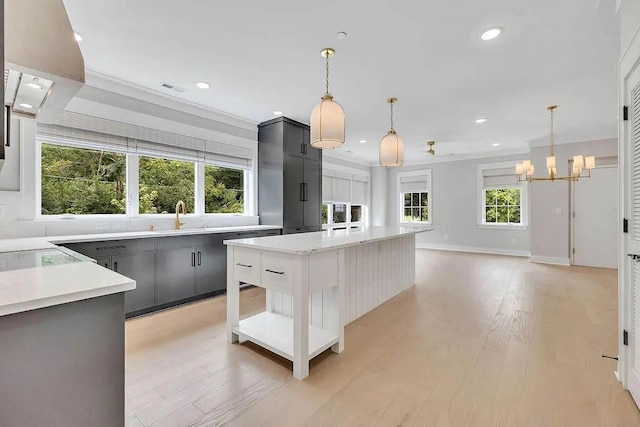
(526, 170)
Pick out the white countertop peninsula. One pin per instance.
(34, 288)
(316, 283)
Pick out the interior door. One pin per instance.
(632, 264)
(595, 223)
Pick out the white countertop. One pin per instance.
(29, 243)
(307, 243)
(33, 288)
(30, 289)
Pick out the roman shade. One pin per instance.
(414, 184)
(499, 177)
(79, 129)
(342, 187)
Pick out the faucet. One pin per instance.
(179, 205)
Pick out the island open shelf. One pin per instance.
(275, 333)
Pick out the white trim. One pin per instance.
(550, 260)
(473, 249)
(629, 61)
(400, 199)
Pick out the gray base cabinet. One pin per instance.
(176, 275)
(167, 270)
(211, 271)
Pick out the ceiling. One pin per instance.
(263, 56)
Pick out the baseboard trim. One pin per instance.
(550, 260)
(473, 249)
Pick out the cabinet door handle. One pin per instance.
(193, 259)
(106, 265)
(199, 258)
(115, 266)
(106, 248)
(244, 265)
(274, 272)
(305, 195)
(302, 191)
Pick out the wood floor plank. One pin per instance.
(480, 340)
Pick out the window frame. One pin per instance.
(330, 225)
(400, 198)
(524, 198)
(132, 183)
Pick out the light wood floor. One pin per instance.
(480, 340)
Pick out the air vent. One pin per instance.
(173, 87)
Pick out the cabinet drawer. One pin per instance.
(247, 265)
(277, 271)
(113, 247)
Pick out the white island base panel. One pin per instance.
(275, 333)
(375, 273)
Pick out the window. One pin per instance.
(501, 198)
(415, 202)
(339, 213)
(356, 213)
(416, 207)
(82, 181)
(163, 182)
(325, 213)
(223, 190)
(502, 206)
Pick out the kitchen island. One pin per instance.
(316, 283)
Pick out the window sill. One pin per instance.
(502, 226)
(415, 224)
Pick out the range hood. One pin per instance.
(43, 65)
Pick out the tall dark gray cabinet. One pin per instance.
(289, 177)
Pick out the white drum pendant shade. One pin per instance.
(327, 124)
(391, 150)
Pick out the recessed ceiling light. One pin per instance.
(481, 120)
(203, 85)
(349, 151)
(341, 35)
(278, 113)
(27, 106)
(491, 34)
(78, 37)
(495, 144)
(34, 85)
(363, 141)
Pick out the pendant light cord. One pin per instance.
(391, 115)
(551, 132)
(327, 75)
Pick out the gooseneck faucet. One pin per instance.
(179, 205)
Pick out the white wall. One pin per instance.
(550, 201)
(455, 209)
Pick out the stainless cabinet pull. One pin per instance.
(193, 259)
(244, 265)
(115, 267)
(199, 258)
(302, 191)
(274, 272)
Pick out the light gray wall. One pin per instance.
(455, 209)
(629, 15)
(550, 201)
(378, 196)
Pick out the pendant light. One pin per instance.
(327, 118)
(391, 146)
